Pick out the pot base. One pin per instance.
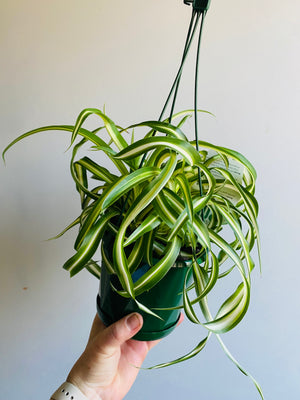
(142, 335)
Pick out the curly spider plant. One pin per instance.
(156, 214)
(172, 205)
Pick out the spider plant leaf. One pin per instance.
(232, 302)
(70, 226)
(188, 308)
(68, 128)
(81, 177)
(186, 194)
(93, 268)
(165, 209)
(99, 172)
(126, 183)
(159, 270)
(122, 186)
(237, 305)
(148, 224)
(201, 231)
(238, 232)
(188, 152)
(147, 310)
(163, 127)
(140, 203)
(190, 112)
(150, 247)
(106, 261)
(232, 154)
(77, 175)
(208, 317)
(250, 204)
(198, 205)
(111, 128)
(137, 254)
(214, 275)
(238, 365)
(228, 249)
(89, 246)
(200, 346)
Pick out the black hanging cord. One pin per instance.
(196, 96)
(189, 40)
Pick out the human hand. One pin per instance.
(109, 364)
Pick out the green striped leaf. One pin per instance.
(160, 269)
(89, 246)
(141, 202)
(186, 194)
(163, 127)
(99, 172)
(144, 145)
(200, 346)
(111, 128)
(149, 224)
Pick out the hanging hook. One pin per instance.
(198, 5)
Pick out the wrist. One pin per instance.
(87, 391)
(70, 391)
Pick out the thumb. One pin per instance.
(119, 332)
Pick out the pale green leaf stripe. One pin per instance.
(68, 128)
(89, 246)
(212, 279)
(111, 128)
(117, 190)
(81, 188)
(81, 175)
(148, 224)
(144, 145)
(201, 231)
(230, 356)
(100, 172)
(159, 270)
(228, 321)
(198, 205)
(164, 209)
(141, 202)
(150, 247)
(232, 302)
(93, 268)
(238, 232)
(250, 205)
(186, 193)
(137, 254)
(188, 356)
(126, 183)
(106, 262)
(188, 308)
(198, 226)
(163, 127)
(236, 312)
(147, 310)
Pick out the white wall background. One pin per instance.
(58, 57)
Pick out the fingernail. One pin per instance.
(133, 322)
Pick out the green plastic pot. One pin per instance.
(165, 294)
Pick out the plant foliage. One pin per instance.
(154, 208)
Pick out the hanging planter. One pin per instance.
(165, 298)
(159, 220)
(112, 307)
